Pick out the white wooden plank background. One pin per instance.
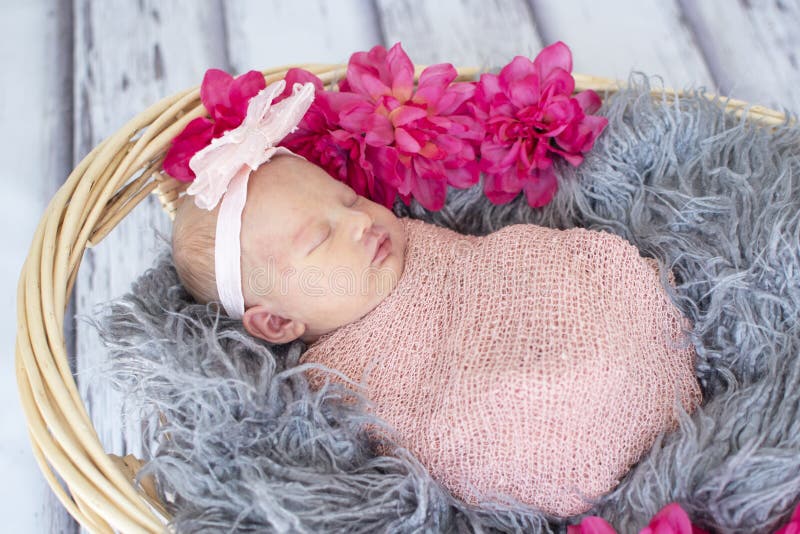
(466, 32)
(752, 48)
(646, 35)
(36, 155)
(74, 72)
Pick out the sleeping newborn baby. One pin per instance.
(533, 364)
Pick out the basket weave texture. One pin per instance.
(105, 186)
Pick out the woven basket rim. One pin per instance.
(100, 191)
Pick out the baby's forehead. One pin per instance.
(267, 229)
(276, 190)
(273, 205)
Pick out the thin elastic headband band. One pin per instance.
(222, 171)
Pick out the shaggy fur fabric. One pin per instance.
(245, 445)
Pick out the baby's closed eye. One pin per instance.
(320, 237)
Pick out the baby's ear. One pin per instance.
(261, 323)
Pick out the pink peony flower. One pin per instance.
(793, 527)
(671, 519)
(532, 117)
(226, 100)
(591, 525)
(414, 141)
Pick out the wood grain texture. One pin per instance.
(621, 36)
(127, 56)
(36, 151)
(270, 33)
(482, 33)
(753, 48)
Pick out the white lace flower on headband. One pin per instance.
(223, 168)
(246, 147)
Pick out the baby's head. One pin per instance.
(308, 252)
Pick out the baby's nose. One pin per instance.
(361, 223)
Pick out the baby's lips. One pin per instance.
(379, 235)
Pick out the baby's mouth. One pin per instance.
(383, 246)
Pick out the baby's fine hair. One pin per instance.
(193, 234)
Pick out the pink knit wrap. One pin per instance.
(534, 363)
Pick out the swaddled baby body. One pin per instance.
(532, 363)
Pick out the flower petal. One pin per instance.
(242, 89)
(497, 157)
(557, 115)
(524, 92)
(589, 101)
(671, 518)
(384, 194)
(456, 97)
(356, 116)
(296, 75)
(335, 102)
(580, 138)
(518, 69)
(405, 142)
(592, 525)
(214, 90)
(557, 55)
(370, 84)
(379, 131)
(194, 137)
(540, 187)
(431, 151)
(367, 73)
(486, 90)
(467, 127)
(384, 161)
(465, 176)
(433, 82)
(431, 193)
(401, 71)
(496, 187)
(450, 144)
(405, 114)
(558, 82)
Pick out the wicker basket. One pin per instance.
(105, 186)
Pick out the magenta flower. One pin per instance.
(415, 141)
(225, 99)
(320, 139)
(591, 525)
(671, 519)
(386, 137)
(793, 527)
(532, 117)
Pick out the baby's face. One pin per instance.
(316, 255)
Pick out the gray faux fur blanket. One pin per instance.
(247, 446)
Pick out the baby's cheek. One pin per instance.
(341, 282)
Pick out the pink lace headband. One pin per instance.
(222, 170)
